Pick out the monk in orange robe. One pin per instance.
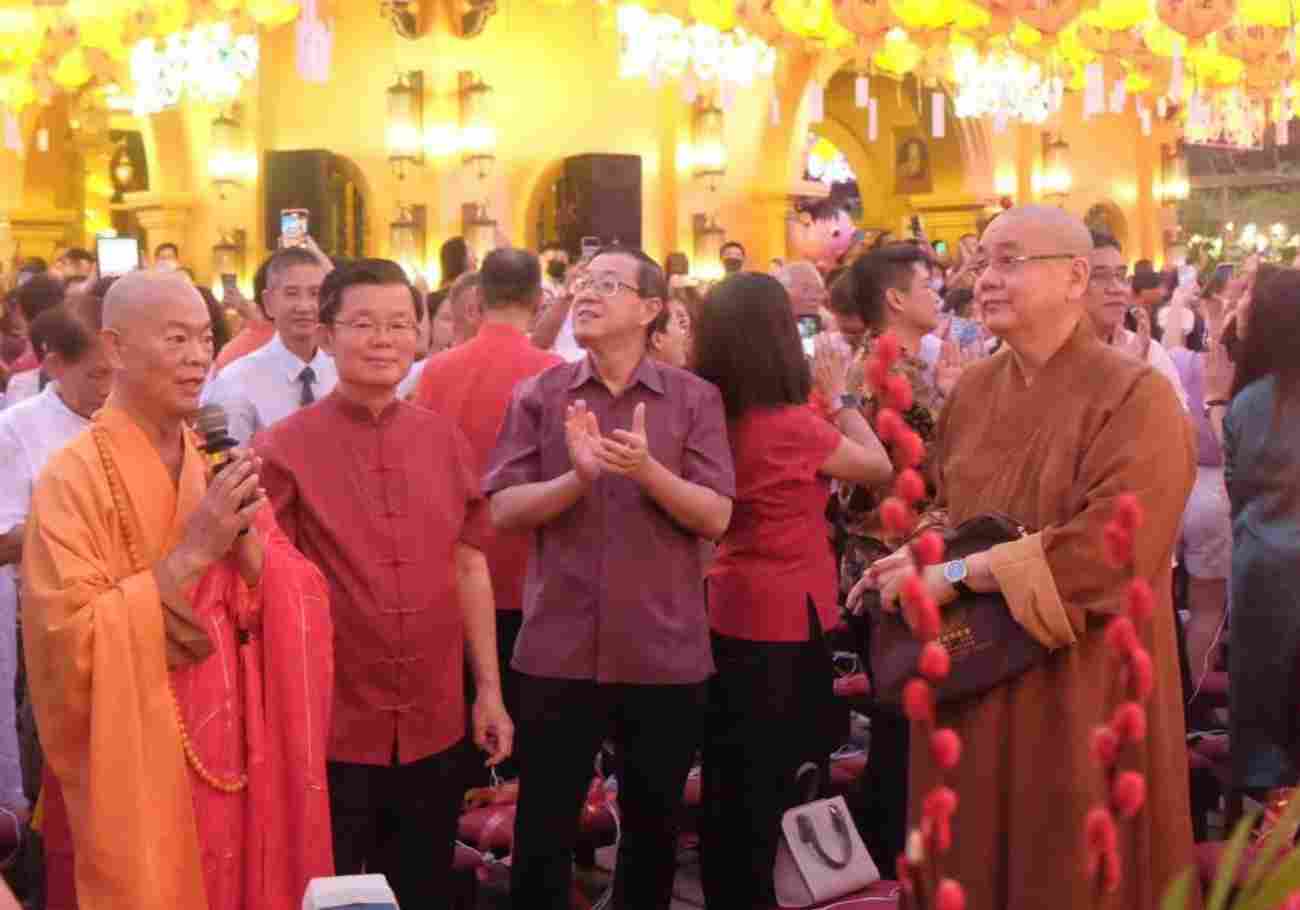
(1051, 431)
(179, 648)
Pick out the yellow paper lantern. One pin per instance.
(72, 71)
(273, 13)
(1277, 13)
(721, 14)
(1119, 14)
(1196, 19)
(899, 56)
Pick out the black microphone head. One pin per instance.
(211, 423)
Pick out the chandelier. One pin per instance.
(1006, 87)
(826, 164)
(207, 63)
(661, 46)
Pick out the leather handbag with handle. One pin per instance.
(985, 643)
(820, 855)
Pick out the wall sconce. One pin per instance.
(478, 229)
(478, 137)
(709, 148)
(406, 238)
(225, 159)
(406, 122)
(1056, 180)
(228, 254)
(1175, 186)
(709, 238)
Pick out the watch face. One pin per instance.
(954, 571)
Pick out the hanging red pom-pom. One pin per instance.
(1140, 601)
(1292, 902)
(949, 896)
(1130, 722)
(896, 516)
(1110, 871)
(918, 701)
(1128, 793)
(887, 348)
(940, 803)
(913, 590)
(909, 449)
(889, 424)
(927, 549)
(1128, 512)
(877, 373)
(1104, 746)
(923, 617)
(910, 485)
(1121, 636)
(1143, 673)
(934, 662)
(1099, 834)
(1119, 545)
(898, 392)
(945, 748)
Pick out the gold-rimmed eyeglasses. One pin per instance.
(1008, 264)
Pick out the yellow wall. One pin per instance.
(557, 93)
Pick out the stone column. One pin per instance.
(168, 221)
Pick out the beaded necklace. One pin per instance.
(225, 785)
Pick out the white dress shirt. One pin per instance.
(262, 388)
(30, 432)
(22, 386)
(406, 388)
(1160, 360)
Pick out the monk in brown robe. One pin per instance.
(179, 649)
(1050, 431)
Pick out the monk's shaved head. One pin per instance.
(138, 299)
(1044, 226)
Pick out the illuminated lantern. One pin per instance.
(721, 14)
(1123, 43)
(811, 19)
(1050, 16)
(72, 70)
(1118, 14)
(1196, 19)
(273, 13)
(1278, 13)
(867, 19)
(1252, 44)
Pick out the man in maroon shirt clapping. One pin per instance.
(620, 465)
(383, 496)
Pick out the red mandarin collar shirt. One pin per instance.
(777, 552)
(614, 591)
(379, 504)
(471, 384)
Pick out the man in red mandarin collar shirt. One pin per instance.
(619, 465)
(471, 384)
(383, 496)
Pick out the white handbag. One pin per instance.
(820, 855)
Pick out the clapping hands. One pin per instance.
(623, 452)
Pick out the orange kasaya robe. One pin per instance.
(147, 830)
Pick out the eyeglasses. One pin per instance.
(603, 285)
(1008, 264)
(1104, 275)
(367, 327)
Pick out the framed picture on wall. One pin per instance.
(912, 173)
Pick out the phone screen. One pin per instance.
(117, 255)
(941, 247)
(293, 226)
(1225, 271)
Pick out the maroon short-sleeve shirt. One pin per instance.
(379, 504)
(615, 586)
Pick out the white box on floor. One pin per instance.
(349, 892)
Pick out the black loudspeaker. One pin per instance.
(599, 196)
(315, 180)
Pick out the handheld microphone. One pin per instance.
(213, 426)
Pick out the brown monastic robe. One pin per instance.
(1055, 454)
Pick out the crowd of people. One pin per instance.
(419, 540)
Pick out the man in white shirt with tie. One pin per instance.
(290, 371)
(30, 432)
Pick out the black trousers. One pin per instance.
(771, 710)
(399, 821)
(561, 726)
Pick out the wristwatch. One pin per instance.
(1216, 403)
(955, 573)
(846, 401)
